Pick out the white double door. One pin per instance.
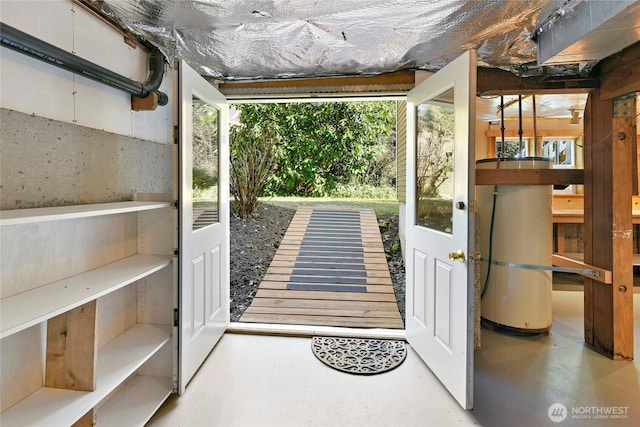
(440, 154)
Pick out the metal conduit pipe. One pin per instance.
(22, 42)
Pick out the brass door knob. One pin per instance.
(457, 255)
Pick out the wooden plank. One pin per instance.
(352, 322)
(321, 295)
(368, 259)
(608, 228)
(116, 362)
(623, 154)
(26, 309)
(329, 273)
(590, 192)
(295, 251)
(576, 216)
(319, 311)
(402, 81)
(494, 81)
(580, 257)
(621, 73)
(57, 213)
(566, 260)
(332, 244)
(367, 280)
(325, 304)
(71, 349)
(87, 420)
(529, 176)
(334, 266)
(269, 284)
(342, 249)
(301, 263)
(136, 403)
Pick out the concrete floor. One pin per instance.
(251, 380)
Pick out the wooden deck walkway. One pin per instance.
(329, 270)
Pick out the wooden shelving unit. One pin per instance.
(28, 308)
(116, 361)
(102, 326)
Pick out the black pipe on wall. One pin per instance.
(22, 42)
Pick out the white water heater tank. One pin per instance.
(516, 299)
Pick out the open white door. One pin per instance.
(440, 154)
(204, 220)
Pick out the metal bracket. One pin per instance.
(543, 267)
(622, 106)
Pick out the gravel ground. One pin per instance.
(254, 243)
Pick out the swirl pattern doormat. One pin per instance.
(359, 356)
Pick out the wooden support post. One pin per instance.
(71, 349)
(608, 236)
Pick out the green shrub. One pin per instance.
(349, 191)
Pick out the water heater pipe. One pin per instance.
(22, 42)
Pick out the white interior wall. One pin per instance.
(64, 140)
(34, 87)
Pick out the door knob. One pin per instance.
(457, 255)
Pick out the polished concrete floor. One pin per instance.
(251, 380)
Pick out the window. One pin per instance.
(560, 151)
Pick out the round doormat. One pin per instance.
(359, 356)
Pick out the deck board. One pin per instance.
(329, 270)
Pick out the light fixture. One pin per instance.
(575, 117)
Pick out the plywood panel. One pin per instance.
(21, 364)
(35, 254)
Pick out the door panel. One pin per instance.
(419, 287)
(440, 130)
(204, 220)
(442, 298)
(218, 282)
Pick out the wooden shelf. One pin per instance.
(31, 307)
(136, 403)
(116, 361)
(29, 216)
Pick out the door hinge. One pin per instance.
(176, 204)
(472, 206)
(175, 317)
(176, 135)
(176, 252)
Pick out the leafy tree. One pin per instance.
(252, 156)
(434, 150)
(321, 145)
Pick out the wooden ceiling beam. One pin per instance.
(399, 81)
(620, 73)
(495, 81)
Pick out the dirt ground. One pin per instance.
(254, 243)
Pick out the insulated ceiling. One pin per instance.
(244, 39)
